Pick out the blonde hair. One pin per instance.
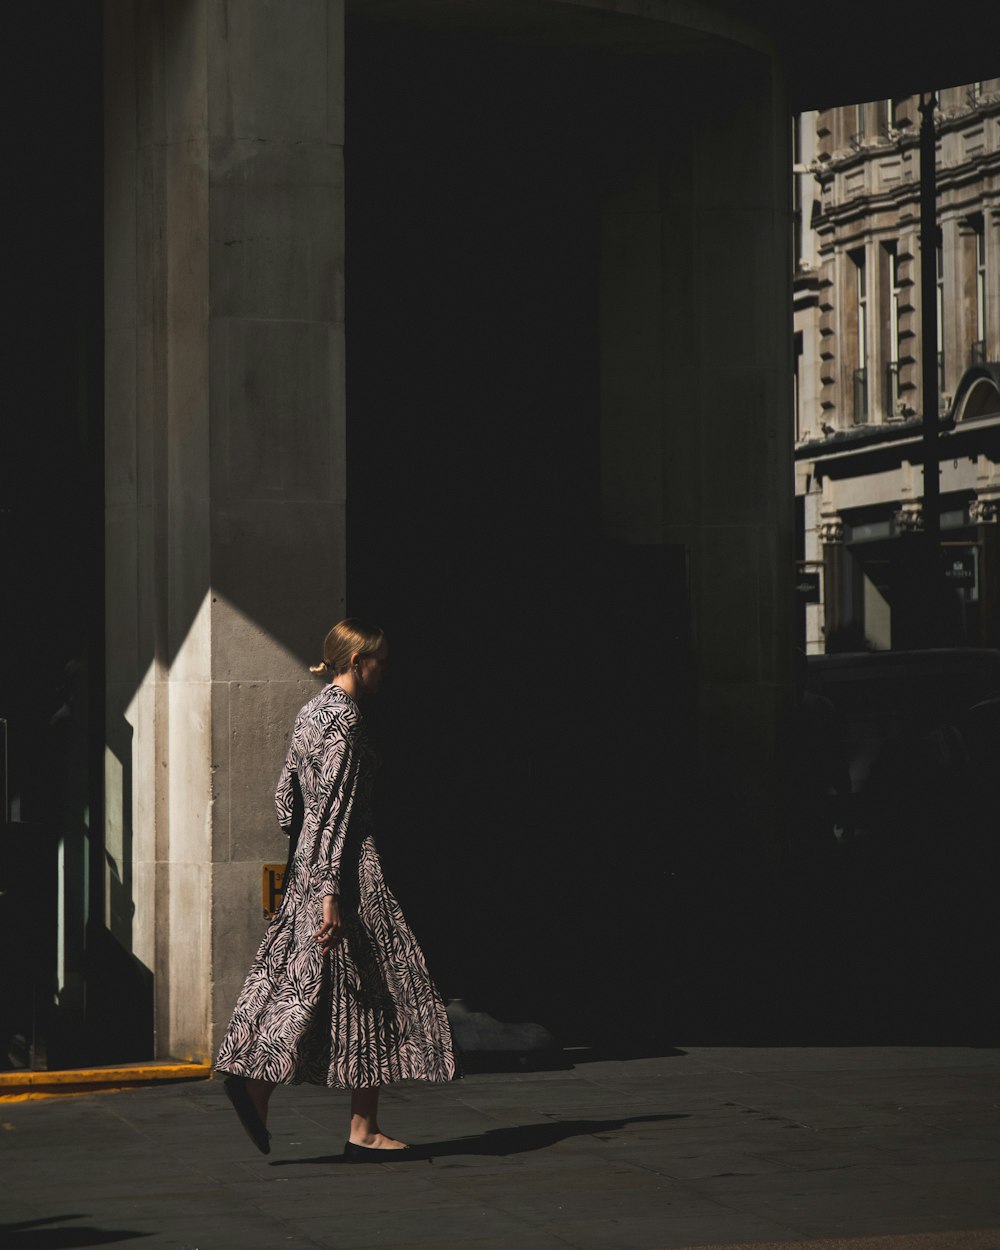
(347, 637)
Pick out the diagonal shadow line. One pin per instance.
(516, 1139)
(40, 1235)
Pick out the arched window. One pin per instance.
(981, 400)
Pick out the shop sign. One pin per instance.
(273, 882)
(960, 567)
(807, 585)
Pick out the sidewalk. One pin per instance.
(834, 1149)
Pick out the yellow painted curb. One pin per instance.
(20, 1085)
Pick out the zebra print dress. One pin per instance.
(367, 1013)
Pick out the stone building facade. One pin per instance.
(858, 390)
(409, 308)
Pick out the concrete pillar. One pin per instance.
(696, 412)
(225, 464)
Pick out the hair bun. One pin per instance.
(347, 637)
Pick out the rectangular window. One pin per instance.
(796, 193)
(892, 363)
(979, 343)
(940, 315)
(861, 359)
(797, 384)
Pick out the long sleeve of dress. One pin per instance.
(336, 788)
(284, 795)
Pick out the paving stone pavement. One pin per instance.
(887, 1148)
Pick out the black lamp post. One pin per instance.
(929, 358)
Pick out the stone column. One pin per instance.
(912, 616)
(815, 612)
(837, 599)
(225, 464)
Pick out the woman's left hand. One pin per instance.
(332, 929)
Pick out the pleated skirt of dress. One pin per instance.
(365, 1014)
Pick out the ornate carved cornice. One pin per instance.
(831, 530)
(984, 511)
(909, 519)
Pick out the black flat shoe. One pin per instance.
(353, 1153)
(236, 1092)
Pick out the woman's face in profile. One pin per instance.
(373, 669)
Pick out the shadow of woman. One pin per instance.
(40, 1235)
(512, 1140)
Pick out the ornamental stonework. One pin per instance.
(984, 511)
(831, 530)
(909, 519)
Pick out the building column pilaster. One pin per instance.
(837, 598)
(225, 446)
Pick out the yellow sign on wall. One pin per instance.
(273, 882)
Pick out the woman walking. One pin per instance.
(339, 992)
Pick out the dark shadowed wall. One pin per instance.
(539, 724)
